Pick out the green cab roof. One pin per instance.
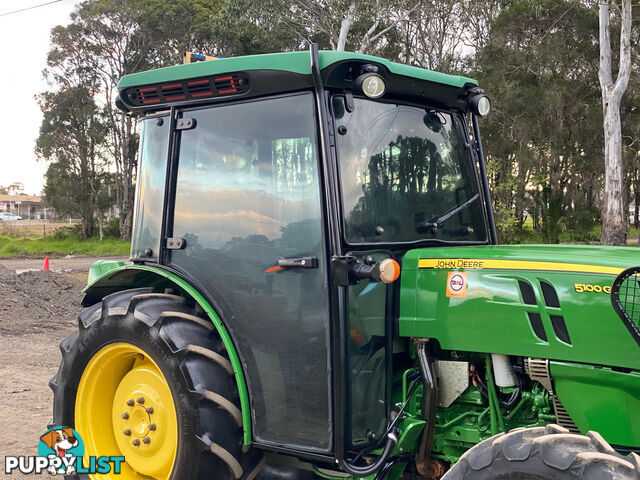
(294, 62)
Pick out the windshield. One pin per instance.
(402, 172)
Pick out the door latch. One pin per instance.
(300, 262)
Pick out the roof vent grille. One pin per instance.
(185, 90)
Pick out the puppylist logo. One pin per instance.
(61, 451)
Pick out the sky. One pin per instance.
(24, 43)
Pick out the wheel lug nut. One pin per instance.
(149, 410)
(130, 402)
(136, 442)
(141, 400)
(146, 440)
(140, 356)
(152, 427)
(125, 416)
(127, 432)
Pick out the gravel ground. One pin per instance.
(38, 309)
(64, 264)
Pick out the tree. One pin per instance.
(356, 25)
(104, 38)
(112, 38)
(15, 188)
(614, 216)
(433, 35)
(71, 138)
(542, 140)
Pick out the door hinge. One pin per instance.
(175, 243)
(186, 123)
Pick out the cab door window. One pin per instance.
(247, 195)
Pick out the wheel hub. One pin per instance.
(140, 425)
(139, 411)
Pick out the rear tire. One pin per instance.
(172, 334)
(544, 453)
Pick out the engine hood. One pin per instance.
(548, 301)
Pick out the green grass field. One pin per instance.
(50, 245)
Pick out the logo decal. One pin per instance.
(457, 284)
(584, 288)
(61, 452)
(497, 264)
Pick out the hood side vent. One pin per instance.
(536, 325)
(528, 296)
(550, 295)
(560, 327)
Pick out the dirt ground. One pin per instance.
(37, 310)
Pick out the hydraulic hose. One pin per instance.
(429, 405)
(380, 466)
(392, 441)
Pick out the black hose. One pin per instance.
(394, 419)
(392, 441)
(429, 403)
(385, 469)
(513, 399)
(515, 396)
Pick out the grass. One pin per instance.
(592, 236)
(56, 246)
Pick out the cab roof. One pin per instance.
(293, 62)
(254, 76)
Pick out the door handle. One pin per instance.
(299, 262)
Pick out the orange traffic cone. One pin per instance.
(46, 263)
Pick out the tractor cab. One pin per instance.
(275, 169)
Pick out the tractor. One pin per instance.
(316, 290)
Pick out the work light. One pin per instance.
(480, 105)
(371, 84)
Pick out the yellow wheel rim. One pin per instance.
(124, 407)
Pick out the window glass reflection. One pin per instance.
(248, 194)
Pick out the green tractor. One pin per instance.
(316, 290)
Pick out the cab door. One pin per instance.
(247, 199)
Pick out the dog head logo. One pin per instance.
(60, 440)
(61, 445)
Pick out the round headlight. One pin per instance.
(372, 85)
(480, 105)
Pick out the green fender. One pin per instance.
(106, 277)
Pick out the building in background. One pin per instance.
(27, 206)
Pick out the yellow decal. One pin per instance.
(488, 263)
(457, 284)
(584, 288)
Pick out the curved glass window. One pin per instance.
(404, 177)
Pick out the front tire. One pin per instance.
(147, 377)
(544, 453)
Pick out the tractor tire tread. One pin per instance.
(195, 354)
(227, 458)
(177, 316)
(213, 356)
(225, 404)
(555, 452)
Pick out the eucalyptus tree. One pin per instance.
(614, 215)
(543, 139)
